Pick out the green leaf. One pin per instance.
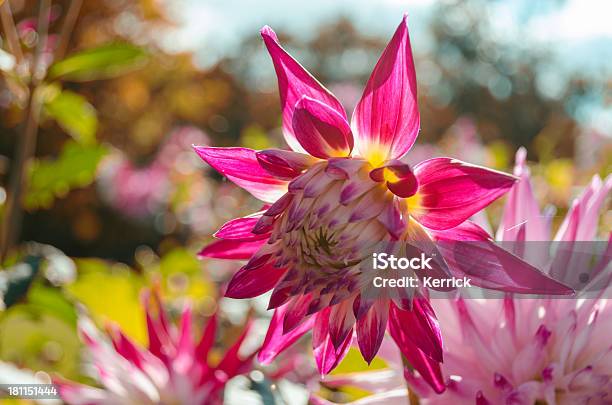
(75, 167)
(74, 114)
(105, 61)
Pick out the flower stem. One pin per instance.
(8, 25)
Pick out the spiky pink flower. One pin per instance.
(173, 369)
(339, 195)
(526, 351)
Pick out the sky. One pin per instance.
(577, 32)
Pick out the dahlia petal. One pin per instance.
(355, 188)
(240, 165)
(369, 206)
(279, 206)
(302, 180)
(326, 355)
(392, 220)
(341, 321)
(293, 83)
(240, 229)
(450, 191)
(321, 130)
(386, 119)
(421, 327)
(428, 368)
(80, 394)
(296, 312)
(522, 207)
(343, 168)
(581, 221)
(206, 341)
(231, 363)
(398, 176)
(231, 249)
(371, 329)
(284, 164)
(249, 283)
(275, 341)
(469, 250)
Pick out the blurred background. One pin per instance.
(101, 102)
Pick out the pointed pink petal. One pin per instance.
(581, 221)
(326, 355)
(470, 251)
(293, 83)
(421, 327)
(341, 321)
(392, 220)
(231, 249)
(240, 229)
(240, 166)
(80, 394)
(386, 119)
(371, 329)
(321, 130)
(428, 368)
(275, 341)
(284, 164)
(522, 208)
(207, 340)
(231, 363)
(249, 283)
(450, 191)
(157, 324)
(296, 312)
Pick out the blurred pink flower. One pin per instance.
(140, 192)
(338, 196)
(173, 369)
(521, 351)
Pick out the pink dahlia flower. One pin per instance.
(526, 351)
(339, 195)
(173, 369)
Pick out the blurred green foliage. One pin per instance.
(75, 167)
(103, 62)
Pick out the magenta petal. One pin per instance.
(386, 119)
(400, 180)
(326, 355)
(275, 341)
(522, 208)
(341, 322)
(296, 312)
(371, 329)
(421, 327)
(284, 164)
(470, 251)
(240, 229)
(392, 220)
(231, 249)
(293, 83)
(240, 165)
(249, 283)
(321, 130)
(450, 191)
(206, 341)
(232, 364)
(428, 368)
